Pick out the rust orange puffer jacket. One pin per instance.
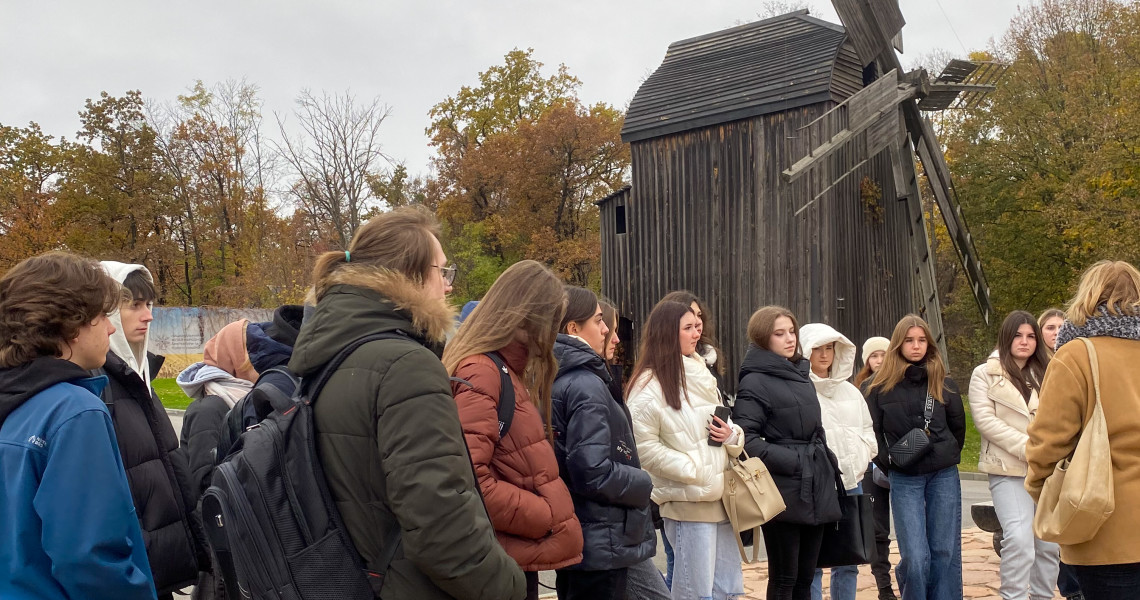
(529, 504)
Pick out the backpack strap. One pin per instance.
(276, 387)
(311, 389)
(312, 386)
(506, 392)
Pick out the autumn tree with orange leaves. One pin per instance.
(520, 162)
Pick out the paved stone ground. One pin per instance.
(979, 572)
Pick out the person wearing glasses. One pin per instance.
(388, 430)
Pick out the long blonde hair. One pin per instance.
(1113, 284)
(527, 296)
(894, 365)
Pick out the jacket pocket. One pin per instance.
(635, 526)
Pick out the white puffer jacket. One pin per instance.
(1002, 416)
(673, 444)
(846, 419)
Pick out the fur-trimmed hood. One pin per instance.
(358, 300)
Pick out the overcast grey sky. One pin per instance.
(54, 54)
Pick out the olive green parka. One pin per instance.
(391, 444)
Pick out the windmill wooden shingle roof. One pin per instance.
(773, 65)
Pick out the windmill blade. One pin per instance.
(902, 156)
(872, 25)
(962, 84)
(938, 174)
(865, 123)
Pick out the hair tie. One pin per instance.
(347, 256)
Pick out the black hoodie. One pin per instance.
(18, 384)
(777, 407)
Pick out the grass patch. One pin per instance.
(170, 394)
(973, 442)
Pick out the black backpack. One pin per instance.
(269, 516)
(274, 390)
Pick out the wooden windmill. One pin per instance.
(751, 148)
(887, 115)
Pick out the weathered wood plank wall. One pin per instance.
(709, 212)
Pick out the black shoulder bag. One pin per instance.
(912, 446)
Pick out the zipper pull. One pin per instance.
(218, 520)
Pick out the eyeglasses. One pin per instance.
(448, 273)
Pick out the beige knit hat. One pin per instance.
(873, 345)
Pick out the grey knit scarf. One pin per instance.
(1105, 325)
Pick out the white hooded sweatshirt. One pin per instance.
(134, 356)
(846, 420)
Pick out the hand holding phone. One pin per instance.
(722, 413)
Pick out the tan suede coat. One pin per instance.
(1067, 400)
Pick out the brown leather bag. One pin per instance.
(1079, 496)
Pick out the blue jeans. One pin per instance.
(928, 522)
(707, 564)
(844, 580)
(668, 559)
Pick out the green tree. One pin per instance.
(1046, 168)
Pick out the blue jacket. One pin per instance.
(70, 530)
(597, 457)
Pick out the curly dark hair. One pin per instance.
(44, 302)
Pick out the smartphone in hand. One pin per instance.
(722, 413)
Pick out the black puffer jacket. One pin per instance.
(778, 409)
(158, 475)
(597, 458)
(898, 411)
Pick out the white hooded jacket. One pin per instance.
(846, 419)
(135, 357)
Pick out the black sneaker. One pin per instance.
(886, 593)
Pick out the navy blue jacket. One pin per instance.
(597, 458)
(69, 526)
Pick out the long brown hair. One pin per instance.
(527, 296)
(863, 375)
(46, 300)
(401, 240)
(1028, 379)
(763, 322)
(1050, 313)
(659, 353)
(894, 365)
(708, 328)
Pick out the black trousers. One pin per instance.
(574, 584)
(792, 554)
(531, 584)
(881, 504)
(1067, 582)
(1108, 582)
